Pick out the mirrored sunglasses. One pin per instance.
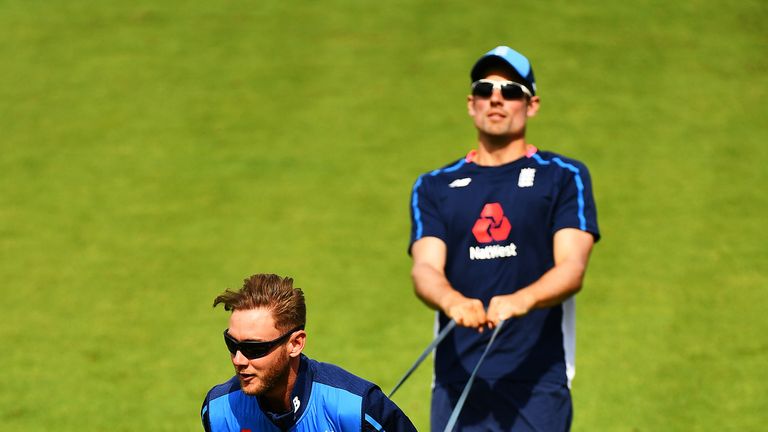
(510, 90)
(253, 349)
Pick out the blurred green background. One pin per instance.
(153, 154)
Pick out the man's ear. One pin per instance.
(470, 106)
(296, 343)
(533, 106)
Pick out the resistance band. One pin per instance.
(443, 333)
(463, 398)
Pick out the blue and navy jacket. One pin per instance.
(324, 398)
(498, 225)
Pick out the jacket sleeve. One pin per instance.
(204, 416)
(381, 414)
(426, 219)
(575, 204)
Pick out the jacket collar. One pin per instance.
(302, 389)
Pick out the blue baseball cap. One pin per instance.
(505, 56)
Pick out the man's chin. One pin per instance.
(250, 388)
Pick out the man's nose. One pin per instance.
(239, 359)
(496, 97)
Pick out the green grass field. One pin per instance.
(153, 154)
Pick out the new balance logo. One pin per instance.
(460, 182)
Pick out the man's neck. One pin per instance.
(279, 399)
(495, 151)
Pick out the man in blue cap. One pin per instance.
(504, 234)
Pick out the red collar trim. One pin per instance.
(470, 156)
(530, 150)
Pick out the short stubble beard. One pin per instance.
(271, 378)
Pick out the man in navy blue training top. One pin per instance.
(504, 233)
(276, 387)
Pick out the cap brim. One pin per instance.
(491, 61)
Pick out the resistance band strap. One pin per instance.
(443, 333)
(463, 398)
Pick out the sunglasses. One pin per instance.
(252, 349)
(510, 90)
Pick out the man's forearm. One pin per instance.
(431, 286)
(435, 291)
(572, 249)
(557, 285)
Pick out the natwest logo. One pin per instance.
(492, 225)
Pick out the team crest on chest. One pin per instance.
(526, 177)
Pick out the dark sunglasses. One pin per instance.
(252, 349)
(510, 90)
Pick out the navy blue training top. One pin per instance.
(498, 225)
(325, 397)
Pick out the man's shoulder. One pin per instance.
(336, 377)
(353, 396)
(444, 175)
(230, 386)
(447, 169)
(544, 157)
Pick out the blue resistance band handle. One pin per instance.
(443, 333)
(463, 398)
